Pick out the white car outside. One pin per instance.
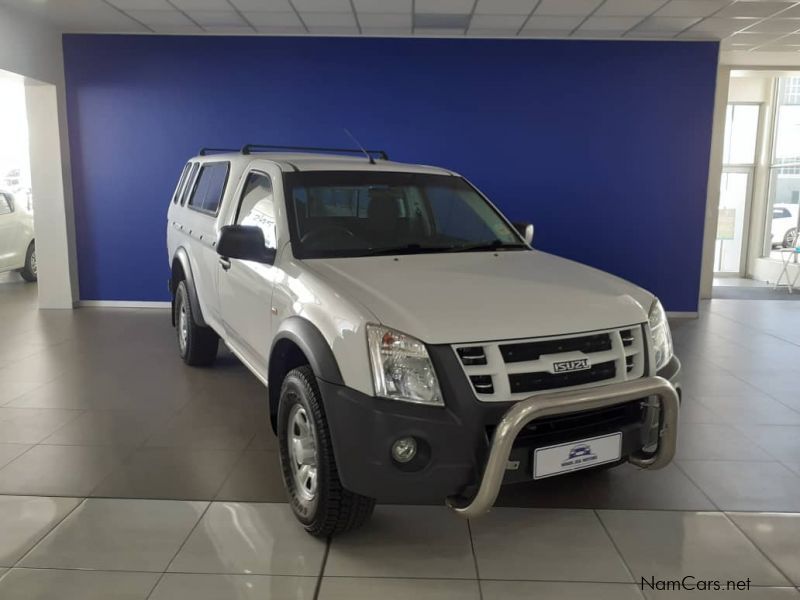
(784, 225)
(17, 246)
(414, 346)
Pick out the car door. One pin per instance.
(201, 228)
(8, 232)
(245, 287)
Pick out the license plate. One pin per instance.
(573, 456)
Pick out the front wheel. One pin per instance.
(30, 272)
(197, 345)
(316, 494)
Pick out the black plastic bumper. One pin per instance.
(453, 441)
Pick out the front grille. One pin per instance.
(515, 369)
(521, 352)
(538, 381)
(578, 425)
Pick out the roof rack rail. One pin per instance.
(205, 151)
(249, 148)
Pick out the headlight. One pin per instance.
(401, 367)
(662, 338)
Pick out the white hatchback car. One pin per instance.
(17, 246)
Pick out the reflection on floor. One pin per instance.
(118, 464)
(739, 282)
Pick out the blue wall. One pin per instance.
(603, 145)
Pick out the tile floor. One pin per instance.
(124, 474)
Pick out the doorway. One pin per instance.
(18, 263)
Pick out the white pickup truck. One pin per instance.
(414, 346)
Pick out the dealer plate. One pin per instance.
(573, 456)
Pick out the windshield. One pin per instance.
(356, 213)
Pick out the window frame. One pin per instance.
(189, 184)
(244, 191)
(202, 166)
(181, 182)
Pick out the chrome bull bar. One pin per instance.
(557, 403)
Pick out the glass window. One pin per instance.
(209, 187)
(784, 180)
(741, 132)
(257, 206)
(369, 213)
(188, 183)
(6, 206)
(181, 182)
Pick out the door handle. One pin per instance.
(225, 262)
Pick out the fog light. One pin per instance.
(404, 449)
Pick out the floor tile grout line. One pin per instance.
(697, 485)
(757, 547)
(614, 544)
(321, 576)
(49, 531)
(178, 551)
(474, 558)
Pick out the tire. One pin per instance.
(197, 345)
(30, 272)
(790, 239)
(317, 497)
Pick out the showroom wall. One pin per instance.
(603, 145)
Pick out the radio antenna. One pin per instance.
(367, 154)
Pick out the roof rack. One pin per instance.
(205, 151)
(249, 148)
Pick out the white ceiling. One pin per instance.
(746, 25)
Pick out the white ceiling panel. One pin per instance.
(382, 6)
(500, 22)
(131, 5)
(229, 29)
(566, 7)
(160, 18)
(691, 8)
(609, 23)
(664, 25)
(216, 18)
(323, 6)
(459, 7)
(381, 21)
(272, 19)
(491, 33)
(270, 30)
(562, 24)
(758, 8)
(504, 7)
(628, 8)
(386, 31)
(775, 26)
(329, 20)
(755, 38)
(263, 5)
(188, 5)
(721, 26)
(438, 32)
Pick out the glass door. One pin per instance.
(736, 186)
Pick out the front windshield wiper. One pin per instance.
(486, 246)
(407, 249)
(419, 249)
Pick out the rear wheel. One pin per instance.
(30, 271)
(316, 494)
(197, 345)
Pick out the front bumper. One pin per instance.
(525, 411)
(458, 441)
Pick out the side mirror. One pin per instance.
(525, 230)
(245, 242)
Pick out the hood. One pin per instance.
(482, 296)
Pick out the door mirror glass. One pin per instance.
(245, 242)
(525, 230)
